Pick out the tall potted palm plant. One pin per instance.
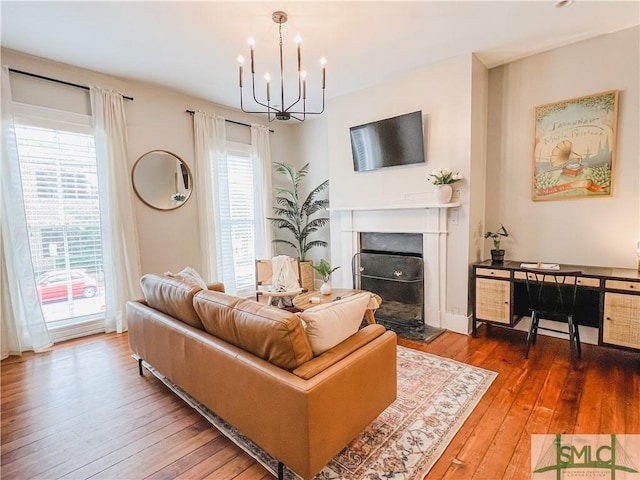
(299, 217)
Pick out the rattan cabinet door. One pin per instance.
(493, 300)
(621, 323)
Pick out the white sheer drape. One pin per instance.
(119, 235)
(261, 155)
(210, 137)
(22, 323)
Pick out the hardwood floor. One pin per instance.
(80, 410)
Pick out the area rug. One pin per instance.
(435, 397)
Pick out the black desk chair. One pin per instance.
(552, 295)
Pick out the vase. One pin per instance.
(325, 288)
(444, 193)
(497, 256)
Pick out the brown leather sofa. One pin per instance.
(257, 372)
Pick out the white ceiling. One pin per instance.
(192, 46)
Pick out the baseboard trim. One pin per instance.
(458, 323)
(75, 330)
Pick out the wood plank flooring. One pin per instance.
(80, 410)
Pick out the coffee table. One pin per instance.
(303, 301)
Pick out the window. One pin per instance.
(46, 184)
(60, 188)
(237, 219)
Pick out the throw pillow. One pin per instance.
(330, 323)
(189, 275)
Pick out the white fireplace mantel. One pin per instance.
(428, 219)
(398, 207)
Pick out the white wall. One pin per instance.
(312, 143)
(443, 92)
(478, 167)
(587, 231)
(306, 143)
(156, 120)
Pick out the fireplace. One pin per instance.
(391, 265)
(427, 222)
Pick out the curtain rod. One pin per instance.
(191, 112)
(42, 77)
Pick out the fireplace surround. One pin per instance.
(427, 220)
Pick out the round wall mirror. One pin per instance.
(162, 180)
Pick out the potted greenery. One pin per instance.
(325, 270)
(297, 216)
(442, 178)
(497, 254)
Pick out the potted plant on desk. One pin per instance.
(497, 254)
(324, 269)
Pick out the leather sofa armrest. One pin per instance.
(217, 286)
(343, 349)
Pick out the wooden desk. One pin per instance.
(303, 301)
(608, 299)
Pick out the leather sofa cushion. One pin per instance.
(173, 297)
(270, 333)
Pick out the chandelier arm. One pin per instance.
(299, 91)
(304, 112)
(253, 91)
(298, 99)
(270, 109)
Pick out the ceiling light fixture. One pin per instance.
(273, 111)
(563, 3)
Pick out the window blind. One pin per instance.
(237, 215)
(60, 190)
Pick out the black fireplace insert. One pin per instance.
(391, 265)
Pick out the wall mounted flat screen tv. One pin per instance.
(388, 143)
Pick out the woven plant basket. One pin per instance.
(306, 272)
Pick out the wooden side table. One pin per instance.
(303, 301)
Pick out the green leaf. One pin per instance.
(293, 217)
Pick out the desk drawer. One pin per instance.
(589, 282)
(628, 285)
(582, 281)
(492, 272)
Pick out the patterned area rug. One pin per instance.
(435, 397)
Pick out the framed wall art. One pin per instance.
(575, 147)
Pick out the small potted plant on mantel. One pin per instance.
(497, 254)
(324, 269)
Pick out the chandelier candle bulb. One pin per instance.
(252, 42)
(303, 75)
(267, 77)
(241, 62)
(298, 41)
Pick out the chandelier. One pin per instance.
(275, 112)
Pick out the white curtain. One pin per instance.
(119, 235)
(210, 137)
(261, 155)
(22, 323)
